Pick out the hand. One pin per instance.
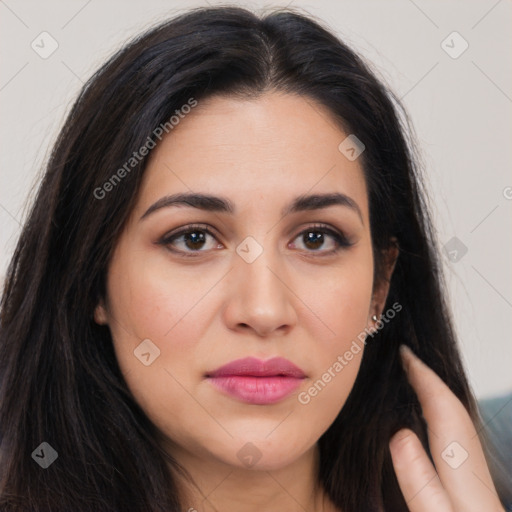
(460, 480)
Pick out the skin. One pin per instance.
(460, 480)
(294, 300)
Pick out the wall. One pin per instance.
(460, 106)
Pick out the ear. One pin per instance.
(100, 313)
(381, 289)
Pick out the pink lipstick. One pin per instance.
(256, 381)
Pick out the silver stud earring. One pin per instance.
(374, 318)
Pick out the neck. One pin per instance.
(219, 487)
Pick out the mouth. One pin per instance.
(256, 381)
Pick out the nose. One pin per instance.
(260, 298)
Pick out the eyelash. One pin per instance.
(340, 239)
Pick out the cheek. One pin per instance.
(147, 302)
(341, 301)
(344, 305)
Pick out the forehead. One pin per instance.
(269, 148)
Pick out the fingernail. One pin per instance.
(400, 435)
(406, 355)
(404, 350)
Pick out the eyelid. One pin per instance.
(339, 236)
(166, 239)
(188, 228)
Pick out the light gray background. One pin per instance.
(461, 110)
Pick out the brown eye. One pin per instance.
(192, 239)
(313, 239)
(322, 240)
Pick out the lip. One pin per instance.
(256, 381)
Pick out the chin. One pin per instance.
(264, 452)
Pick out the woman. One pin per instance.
(206, 305)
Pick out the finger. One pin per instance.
(418, 479)
(453, 440)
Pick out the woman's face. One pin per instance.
(267, 282)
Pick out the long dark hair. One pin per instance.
(60, 380)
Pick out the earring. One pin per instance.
(374, 318)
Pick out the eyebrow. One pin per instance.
(218, 204)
